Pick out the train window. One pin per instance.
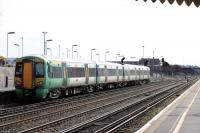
(39, 69)
(120, 71)
(112, 72)
(109, 72)
(57, 72)
(125, 72)
(80, 72)
(50, 71)
(92, 72)
(18, 69)
(101, 72)
(132, 72)
(76, 72)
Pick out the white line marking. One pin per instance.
(180, 123)
(159, 115)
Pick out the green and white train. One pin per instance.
(44, 77)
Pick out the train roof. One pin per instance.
(50, 58)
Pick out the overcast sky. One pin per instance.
(119, 26)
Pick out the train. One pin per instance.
(44, 77)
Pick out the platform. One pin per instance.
(6, 89)
(181, 116)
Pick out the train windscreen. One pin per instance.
(18, 69)
(39, 69)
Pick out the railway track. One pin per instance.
(38, 119)
(128, 101)
(115, 111)
(88, 97)
(43, 116)
(32, 106)
(121, 122)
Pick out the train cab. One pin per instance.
(30, 77)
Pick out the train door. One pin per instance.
(28, 75)
(139, 74)
(142, 73)
(64, 74)
(123, 73)
(106, 73)
(128, 72)
(86, 74)
(117, 74)
(135, 73)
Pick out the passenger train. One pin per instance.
(46, 77)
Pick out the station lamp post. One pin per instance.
(106, 53)
(153, 54)
(18, 49)
(73, 49)
(44, 42)
(143, 51)
(67, 52)
(121, 56)
(133, 59)
(7, 41)
(49, 40)
(59, 49)
(98, 56)
(76, 53)
(91, 52)
(22, 46)
(50, 50)
(117, 56)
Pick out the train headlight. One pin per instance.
(18, 81)
(39, 82)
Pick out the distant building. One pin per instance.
(156, 67)
(153, 63)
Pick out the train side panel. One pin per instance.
(126, 73)
(92, 72)
(120, 73)
(112, 71)
(76, 74)
(101, 74)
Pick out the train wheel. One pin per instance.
(54, 94)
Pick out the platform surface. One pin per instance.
(181, 116)
(3, 89)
